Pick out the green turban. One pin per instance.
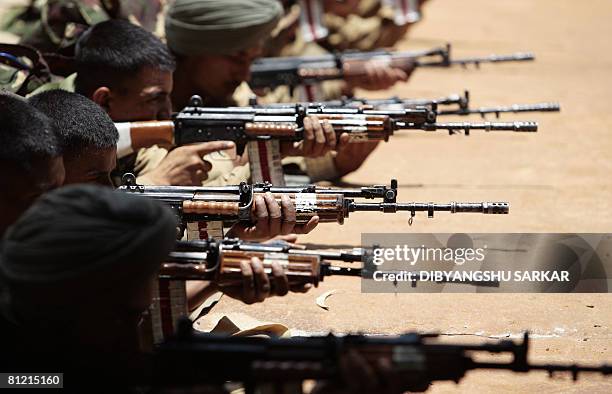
(220, 27)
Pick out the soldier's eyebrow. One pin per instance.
(156, 92)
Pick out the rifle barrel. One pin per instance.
(467, 126)
(328, 270)
(513, 57)
(452, 207)
(515, 108)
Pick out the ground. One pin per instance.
(557, 180)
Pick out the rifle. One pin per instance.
(462, 105)
(293, 71)
(196, 124)
(417, 360)
(235, 203)
(220, 261)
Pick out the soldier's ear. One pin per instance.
(102, 97)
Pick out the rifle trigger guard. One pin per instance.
(411, 218)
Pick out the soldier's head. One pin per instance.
(126, 70)
(215, 42)
(78, 267)
(30, 157)
(87, 135)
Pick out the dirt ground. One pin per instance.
(557, 180)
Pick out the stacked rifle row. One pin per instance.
(416, 359)
(361, 119)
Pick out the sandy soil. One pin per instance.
(557, 180)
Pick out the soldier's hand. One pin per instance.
(351, 156)
(185, 166)
(257, 284)
(379, 76)
(319, 138)
(270, 219)
(359, 377)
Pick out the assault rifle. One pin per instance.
(235, 203)
(459, 105)
(242, 124)
(417, 360)
(293, 71)
(220, 261)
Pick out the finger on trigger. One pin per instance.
(213, 146)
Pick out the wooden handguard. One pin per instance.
(271, 129)
(360, 127)
(331, 72)
(377, 121)
(356, 68)
(184, 271)
(211, 208)
(300, 269)
(328, 207)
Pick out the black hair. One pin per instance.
(78, 121)
(112, 51)
(26, 134)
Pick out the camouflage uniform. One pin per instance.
(22, 69)
(370, 28)
(55, 25)
(317, 169)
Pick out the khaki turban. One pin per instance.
(219, 27)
